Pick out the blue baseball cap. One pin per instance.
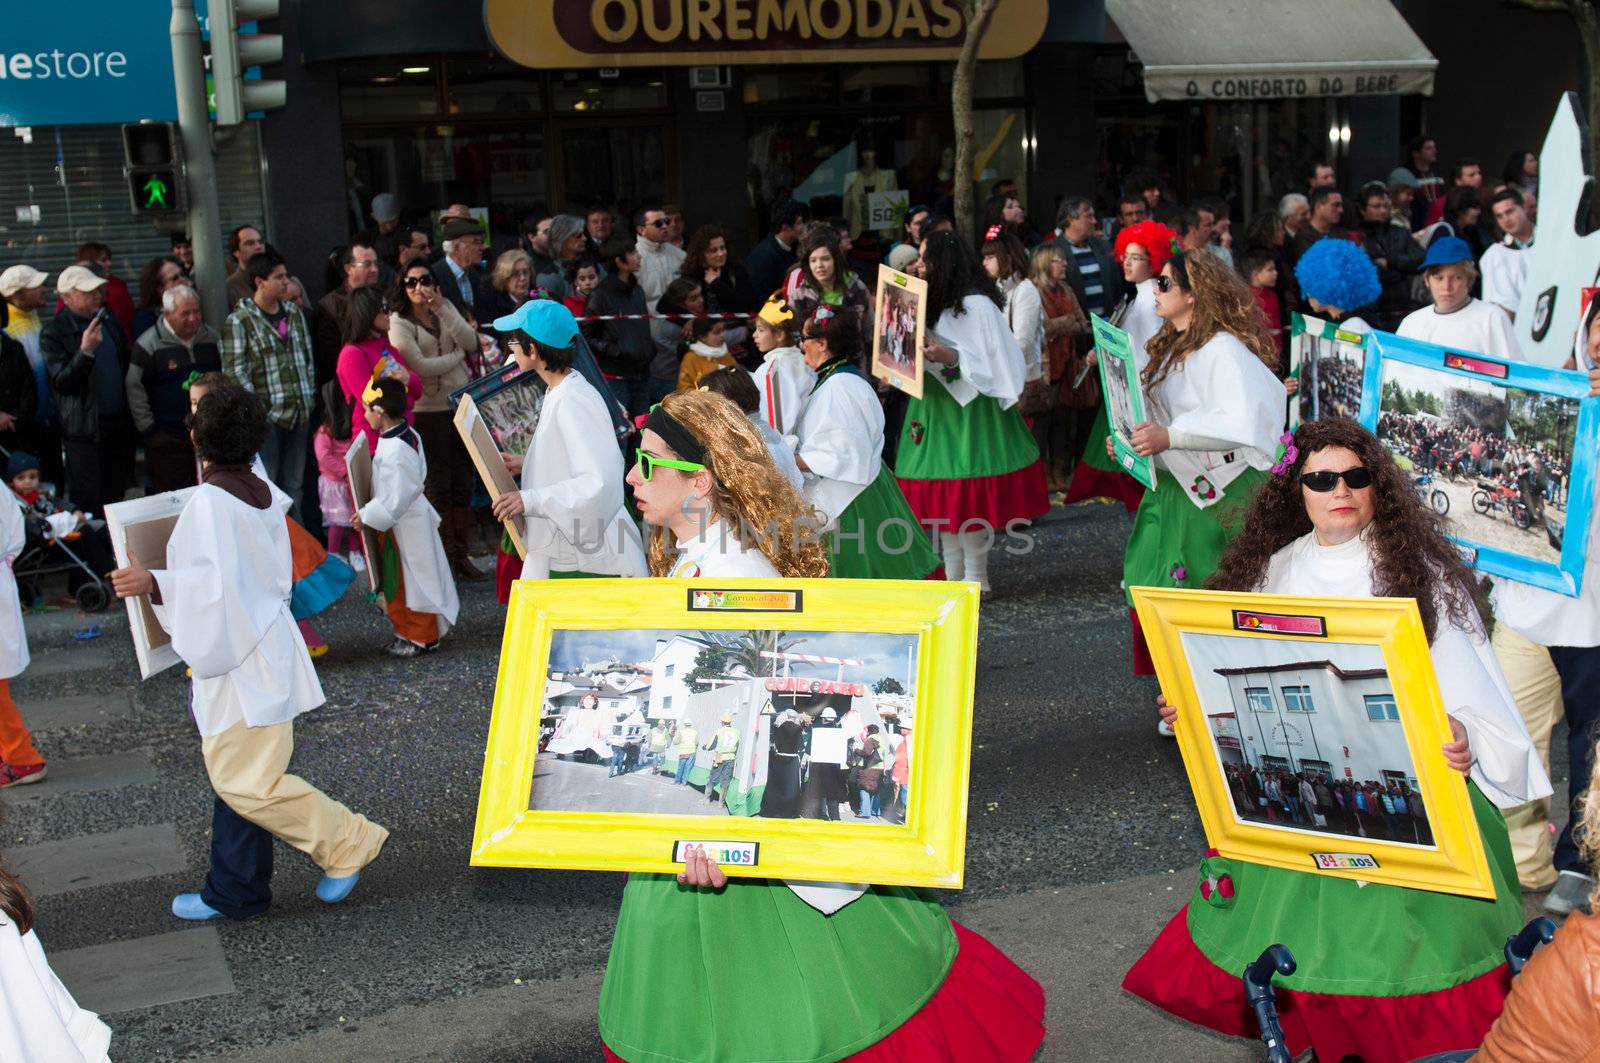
(1447, 251)
(546, 320)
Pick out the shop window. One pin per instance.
(630, 89)
(885, 83)
(491, 85)
(389, 88)
(618, 166)
(999, 151)
(997, 79)
(789, 84)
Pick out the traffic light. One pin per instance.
(153, 165)
(232, 52)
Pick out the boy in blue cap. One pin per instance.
(1457, 320)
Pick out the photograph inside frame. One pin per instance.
(1495, 461)
(511, 412)
(1308, 736)
(761, 723)
(1331, 372)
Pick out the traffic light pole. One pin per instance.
(194, 125)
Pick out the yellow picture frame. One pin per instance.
(928, 849)
(1176, 623)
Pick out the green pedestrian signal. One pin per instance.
(155, 194)
(153, 163)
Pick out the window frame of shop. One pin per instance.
(547, 120)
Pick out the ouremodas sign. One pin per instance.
(583, 33)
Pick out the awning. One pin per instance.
(1273, 49)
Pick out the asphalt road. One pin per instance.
(1082, 840)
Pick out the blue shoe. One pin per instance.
(333, 890)
(189, 906)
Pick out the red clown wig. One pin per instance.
(1154, 237)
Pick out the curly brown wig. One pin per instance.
(1411, 558)
(747, 490)
(1222, 303)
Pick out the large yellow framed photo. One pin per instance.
(802, 729)
(1311, 730)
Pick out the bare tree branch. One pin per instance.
(977, 14)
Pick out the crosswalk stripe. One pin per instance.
(53, 714)
(90, 860)
(144, 972)
(80, 774)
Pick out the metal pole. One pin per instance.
(194, 126)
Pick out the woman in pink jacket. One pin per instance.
(366, 348)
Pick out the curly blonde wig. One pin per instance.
(1222, 303)
(747, 490)
(1587, 833)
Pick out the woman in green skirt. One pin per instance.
(1216, 414)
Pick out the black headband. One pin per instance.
(676, 436)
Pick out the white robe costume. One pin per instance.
(718, 556)
(782, 453)
(39, 1020)
(1223, 410)
(398, 504)
(840, 438)
(1477, 328)
(13, 636)
(987, 354)
(1504, 763)
(225, 602)
(1140, 321)
(572, 502)
(785, 381)
(581, 729)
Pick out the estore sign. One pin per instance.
(99, 61)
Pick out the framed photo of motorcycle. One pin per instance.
(1503, 450)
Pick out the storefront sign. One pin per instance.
(887, 210)
(587, 33)
(1244, 83)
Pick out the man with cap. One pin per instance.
(724, 747)
(170, 353)
(86, 358)
(460, 272)
(23, 289)
(1455, 319)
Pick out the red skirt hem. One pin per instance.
(1089, 482)
(1143, 663)
(1178, 978)
(1022, 494)
(507, 570)
(988, 1010)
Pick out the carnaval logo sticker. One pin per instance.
(1482, 366)
(1279, 624)
(743, 854)
(1343, 861)
(729, 601)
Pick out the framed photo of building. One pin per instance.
(1311, 730)
(487, 459)
(1503, 450)
(1119, 379)
(143, 525)
(635, 718)
(898, 327)
(1330, 363)
(358, 471)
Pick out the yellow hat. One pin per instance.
(727, 717)
(777, 311)
(371, 393)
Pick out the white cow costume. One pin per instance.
(399, 506)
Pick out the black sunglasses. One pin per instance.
(661, 223)
(1165, 284)
(1322, 482)
(421, 280)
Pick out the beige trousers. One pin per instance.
(249, 769)
(1536, 687)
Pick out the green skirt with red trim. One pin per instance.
(1097, 476)
(977, 462)
(878, 537)
(1384, 973)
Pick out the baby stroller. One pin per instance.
(1277, 959)
(47, 554)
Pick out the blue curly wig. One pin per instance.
(1338, 273)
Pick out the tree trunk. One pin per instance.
(977, 14)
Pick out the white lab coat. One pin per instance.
(39, 1020)
(1477, 328)
(13, 636)
(987, 354)
(840, 438)
(785, 381)
(1504, 763)
(225, 602)
(398, 472)
(1224, 410)
(572, 500)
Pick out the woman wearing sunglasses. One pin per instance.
(1386, 973)
(873, 533)
(575, 523)
(722, 971)
(435, 341)
(1215, 413)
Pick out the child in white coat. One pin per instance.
(21, 762)
(418, 591)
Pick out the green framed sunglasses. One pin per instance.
(648, 463)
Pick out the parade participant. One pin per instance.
(319, 578)
(418, 593)
(1386, 973)
(583, 730)
(330, 445)
(966, 459)
(704, 350)
(1339, 279)
(827, 786)
(21, 763)
(1143, 250)
(39, 1020)
(838, 446)
(736, 385)
(723, 745)
(224, 598)
(781, 798)
(783, 378)
(1457, 320)
(575, 523)
(1215, 412)
(954, 996)
(687, 747)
